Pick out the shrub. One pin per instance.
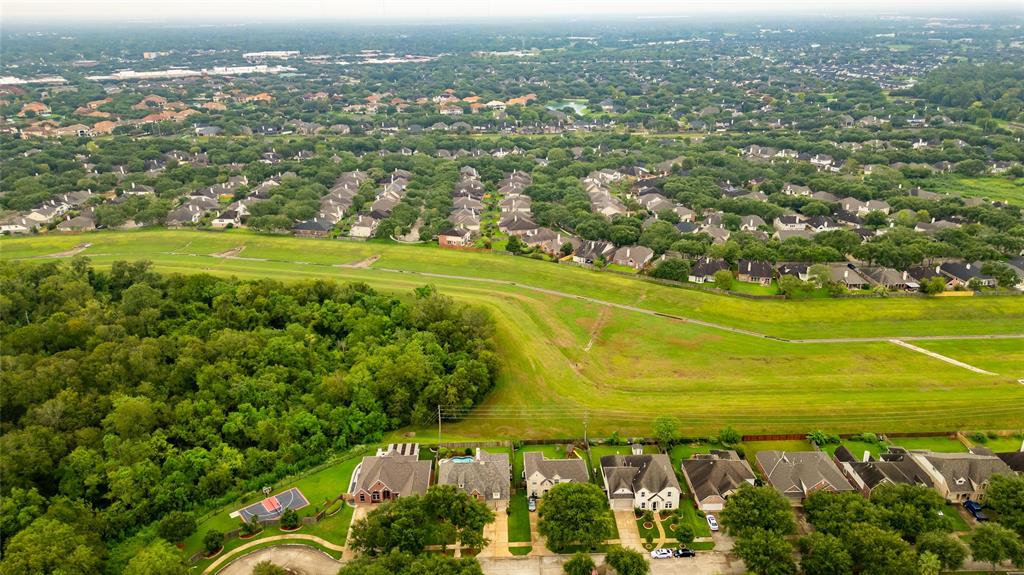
(978, 437)
(176, 526)
(252, 527)
(290, 519)
(213, 540)
(684, 533)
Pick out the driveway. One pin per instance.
(497, 532)
(296, 558)
(357, 514)
(629, 535)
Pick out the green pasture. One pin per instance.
(565, 359)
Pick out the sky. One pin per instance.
(453, 10)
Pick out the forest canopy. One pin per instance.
(128, 394)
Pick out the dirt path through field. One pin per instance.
(69, 253)
(360, 265)
(595, 332)
(233, 252)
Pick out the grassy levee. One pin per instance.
(561, 355)
(800, 319)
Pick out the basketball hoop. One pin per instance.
(267, 489)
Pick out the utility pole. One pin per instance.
(439, 430)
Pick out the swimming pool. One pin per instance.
(462, 459)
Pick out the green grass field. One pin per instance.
(941, 444)
(519, 519)
(994, 188)
(565, 358)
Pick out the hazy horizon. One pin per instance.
(452, 11)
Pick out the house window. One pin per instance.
(643, 505)
(375, 496)
(668, 505)
(362, 498)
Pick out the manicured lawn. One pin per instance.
(561, 355)
(959, 523)
(688, 513)
(941, 444)
(653, 531)
(519, 520)
(1001, 444)
(318, 487)
(754, 289)
(520, 551)
(857, 448)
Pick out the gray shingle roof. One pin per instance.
(488, 474)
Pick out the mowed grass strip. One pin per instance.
(562, 356)
(801, 319)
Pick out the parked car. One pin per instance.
(712, 523)
(532, 504)
(685, 552)
(974, 508)
(661, 553)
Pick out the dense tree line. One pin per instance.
(128, 395)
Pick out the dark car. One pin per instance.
(975, 509)
(684, 552)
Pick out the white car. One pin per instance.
(712, 523)
(661, 553)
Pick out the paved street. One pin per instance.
(712, 563)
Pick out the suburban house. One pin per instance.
(314, 228)
(754, 272)
(364, 226)
(453, 238)
(961, 273)
(704, 269)
(635, 257)
(486, 477)
(226, 218)
(713, 477)
(889, 278)
(789, 223)
(847, 276)
(541, 473)
(640, 481)
(591, 251)
(751, 223)
(797, 474)
(961, 476)
(396, 470)
(893, 467)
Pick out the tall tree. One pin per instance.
(950, 551)
(1005, 495)
(465, 515)
(823, 554)
(993, 543)
(626, 561)
(765, 552)
(157, 558)
(761, 508)
(574, 514)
